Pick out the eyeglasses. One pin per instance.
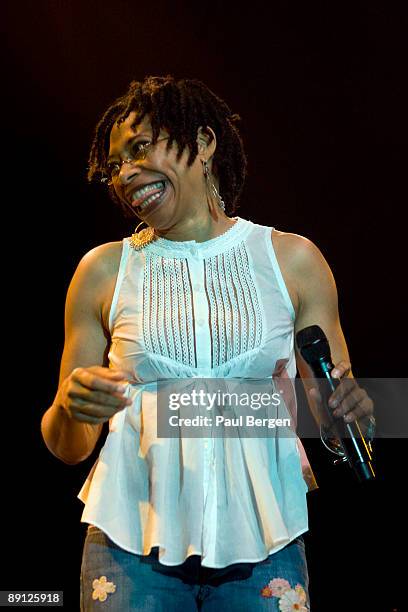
(139, 151)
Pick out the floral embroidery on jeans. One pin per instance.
(290, 600)
(101, 588)
(278, 586)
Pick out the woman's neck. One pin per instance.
(199, 229)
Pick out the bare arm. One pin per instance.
(318, 305)
(314, 294)
(88, 393)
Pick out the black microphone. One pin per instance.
(315, 350)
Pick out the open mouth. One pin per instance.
(149, 196)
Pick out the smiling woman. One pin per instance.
(161, 108)
(195, 295)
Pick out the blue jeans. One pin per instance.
(115, 580)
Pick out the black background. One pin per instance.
(320, 88)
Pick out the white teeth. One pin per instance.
(140, 192)
(151, 199)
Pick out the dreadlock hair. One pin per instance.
(181, 107)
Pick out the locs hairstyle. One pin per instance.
(181, 107)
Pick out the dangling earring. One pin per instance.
(139, 239)
(212, 187)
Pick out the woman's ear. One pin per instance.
(206, 142)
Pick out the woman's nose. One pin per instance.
(128, 170)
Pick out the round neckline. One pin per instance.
(160, 240)
(185, 248)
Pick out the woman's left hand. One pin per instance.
(349, 400)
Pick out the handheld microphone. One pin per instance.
(315, 350)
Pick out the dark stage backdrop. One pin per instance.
(319, 87)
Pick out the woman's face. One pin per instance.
(159, 189)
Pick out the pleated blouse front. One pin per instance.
(184, 310)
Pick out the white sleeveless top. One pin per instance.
(215, 309)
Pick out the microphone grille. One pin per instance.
(310, 335)
(313, 344)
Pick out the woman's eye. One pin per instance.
(139, 146)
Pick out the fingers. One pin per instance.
(342, 369)
(81, 409)
(95, 394)
(99, 378)
(90, 412)
(86, 418)
(80, 397)
(350, 401)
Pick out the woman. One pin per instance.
(180, 522)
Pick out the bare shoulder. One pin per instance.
(302, 264)
(103, 259)
(296, 252)
(293, 247)
(94, 280)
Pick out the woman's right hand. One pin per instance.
(93, 395)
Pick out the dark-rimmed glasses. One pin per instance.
(139, 151)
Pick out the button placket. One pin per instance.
(210, 506)
(201, 311)
(203, 352)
